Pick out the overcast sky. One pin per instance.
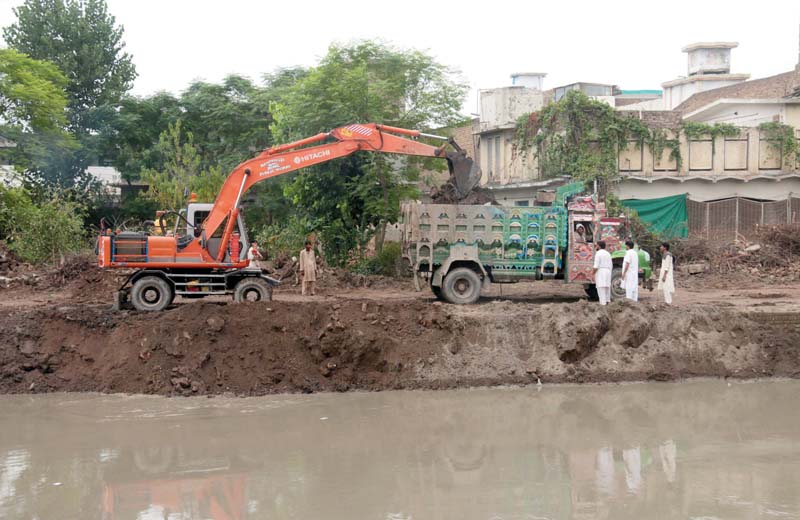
(633, 44)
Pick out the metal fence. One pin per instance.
(735, 218)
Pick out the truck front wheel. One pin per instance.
(461, 286)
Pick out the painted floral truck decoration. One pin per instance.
(460, 249)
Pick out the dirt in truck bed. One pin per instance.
(349, 343)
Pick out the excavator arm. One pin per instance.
(335, 144)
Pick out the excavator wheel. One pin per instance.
(151, 293)
(252, 290)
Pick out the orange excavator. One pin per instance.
(206, 254)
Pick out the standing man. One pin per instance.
(308, 269)
(254, 256)
(630, 272)
(666, 282)
(602, 273)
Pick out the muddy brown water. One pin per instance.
(701, 450)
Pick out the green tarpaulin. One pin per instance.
(665, 217)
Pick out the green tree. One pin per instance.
(31, 93)
(181, 171)
(83, 40)
(32, 108)
(42, 232)
(230, 121)
(346, 201)
(130, 134)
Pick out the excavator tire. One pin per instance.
(252, 290)
(151, 293)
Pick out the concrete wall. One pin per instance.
(745, 166)
(649, 105)
(743, 114)
(743, 156)
(792, 116)
(501, 107)
(674, 95)
(766, 189)
(709, 60)
(501, 163)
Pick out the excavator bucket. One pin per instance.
(464, 173)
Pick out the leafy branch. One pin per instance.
(782, 138)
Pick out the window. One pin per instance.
(498, 155)
(523, 203)
(494, 157)
(489, 159)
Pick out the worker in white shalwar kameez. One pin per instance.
(308, 269)
(602, 273)
(666, 282)
(630, 272)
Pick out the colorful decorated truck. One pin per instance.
(461, 249)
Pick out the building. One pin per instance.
(500, 108)
(599, 91)
(511, 176)
(709, 68)
(745, 165)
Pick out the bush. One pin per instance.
(285, 240)
(13, 202)
(389, 262)
(42, 232)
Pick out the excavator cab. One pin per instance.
(197, 213)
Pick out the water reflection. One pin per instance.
(690, 450)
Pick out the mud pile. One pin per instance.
(260, 348)
(448, 194)
(8, 260)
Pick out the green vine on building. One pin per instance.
(781, 137)
(582, 137)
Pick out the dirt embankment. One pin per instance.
(260, 348)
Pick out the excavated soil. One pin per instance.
(339, 345)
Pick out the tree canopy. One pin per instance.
(82, 39)
(31, 92)
(180, 171)
(347, 200)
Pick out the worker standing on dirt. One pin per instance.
(308, 269)
(254, 256)
(602, 273)
(630, 272)
(666, 282)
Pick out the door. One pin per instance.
(196, 218)
(580, 255)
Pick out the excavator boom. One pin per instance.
(346, 140)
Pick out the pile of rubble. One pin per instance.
(773, 254)
(14, 271)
